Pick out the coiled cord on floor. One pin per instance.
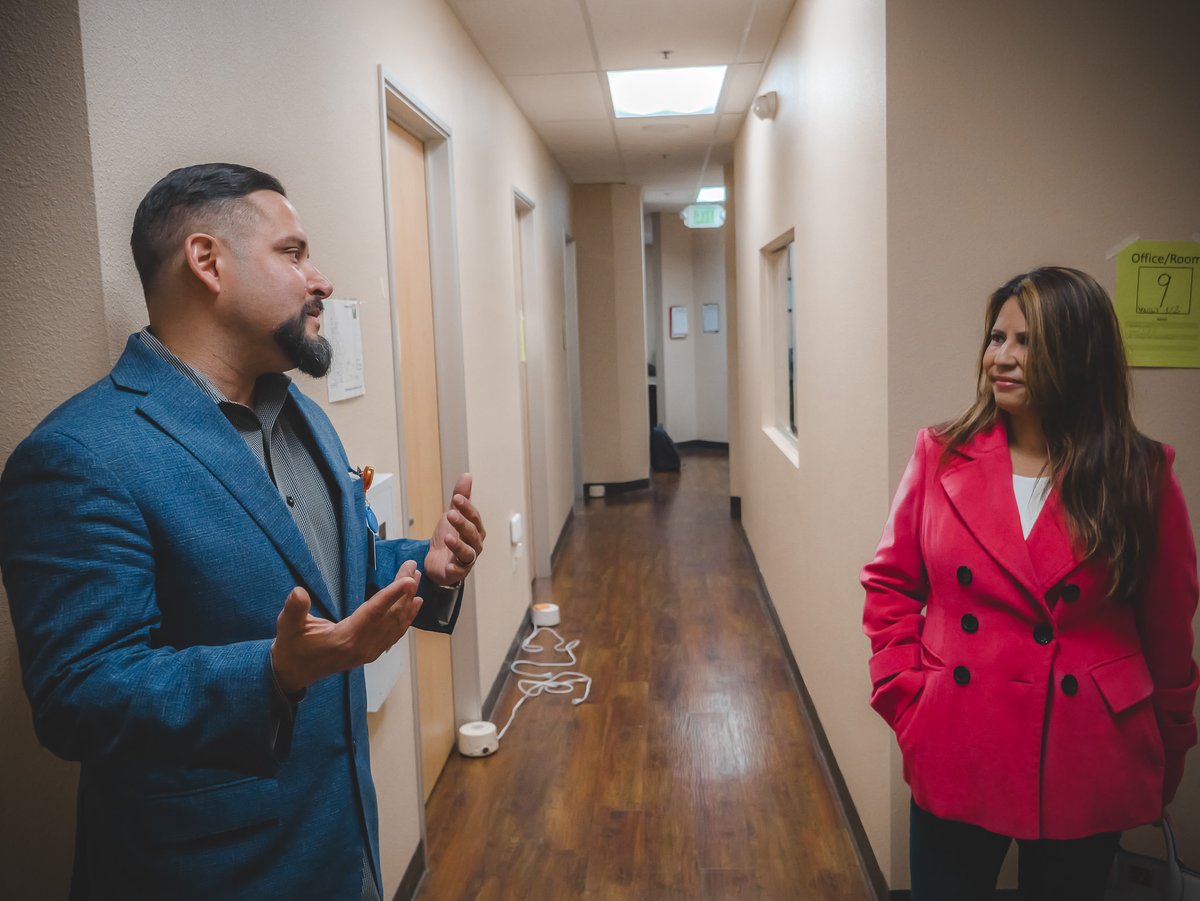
(532, 684)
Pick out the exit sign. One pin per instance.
(703, 215)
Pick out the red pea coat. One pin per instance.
(1023, 698)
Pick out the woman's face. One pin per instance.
(1004, 360)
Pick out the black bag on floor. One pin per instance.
(664, 455)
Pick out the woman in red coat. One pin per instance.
(1030, 610)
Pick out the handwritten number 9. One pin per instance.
(1165, 281)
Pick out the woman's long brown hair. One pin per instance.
(1108, 473)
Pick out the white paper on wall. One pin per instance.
(342, 327)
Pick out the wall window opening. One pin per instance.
(779, 344)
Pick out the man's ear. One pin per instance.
(203, 255)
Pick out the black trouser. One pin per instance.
(952, 861)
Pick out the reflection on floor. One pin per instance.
(690, 772)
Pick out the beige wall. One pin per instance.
(730, 325)
(678, 391)
(692, 378)
(1022, 134)
(708, 278)
(819, 168)
(54, 311)
(1017, 134)
(607, 226)
(293, 89)
(652, 228)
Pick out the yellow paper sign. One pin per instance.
(1158, 303)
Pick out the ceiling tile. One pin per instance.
(578, 135)
(642, 168)
(664, 134)
(659, 201)
(727, 130)
(549, 98)
(631, 34)
(543, 52)
(741, 84)
(528, 37)
(591, 167)
(714, 174)
(675, 193)
(721, 154)
(768, 23)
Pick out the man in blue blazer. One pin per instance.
(193, 581)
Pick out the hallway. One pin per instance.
(690, 772)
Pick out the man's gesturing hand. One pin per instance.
(308, 648)
(457, 539)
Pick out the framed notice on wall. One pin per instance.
(1158, 303)
(679, 322)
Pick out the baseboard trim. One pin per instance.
(850, 817)
(414, 875)
(493, 696)
(702, 444)
(562, 538)
(613, 488)
(903, 894)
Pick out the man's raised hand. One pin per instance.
(457, 539)
(308, 648)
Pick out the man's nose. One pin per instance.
(318, 284)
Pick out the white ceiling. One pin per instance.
(552, 56)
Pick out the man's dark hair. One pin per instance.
(174, 203)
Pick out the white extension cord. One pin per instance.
(532, 684)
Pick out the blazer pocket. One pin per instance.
(1123, 682)
(212, 810)
(894, 698)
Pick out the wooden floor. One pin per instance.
(690, 772)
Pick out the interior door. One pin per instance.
(422, 442)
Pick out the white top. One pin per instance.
(1031, 492)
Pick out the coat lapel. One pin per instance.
(980, 487)
(182, 411)
(1049, 543)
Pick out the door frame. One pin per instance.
(537, 527)
(574, 391)
(400, 106)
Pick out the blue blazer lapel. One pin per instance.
(979, 486)
(183, 412)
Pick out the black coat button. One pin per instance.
(1043, 634)
(970, 623)
(1070, 592)
(291, 501)
(962, 675)
(964, 575)
(1070, 685)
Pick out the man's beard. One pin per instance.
(312, 356)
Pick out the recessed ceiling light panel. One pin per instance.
(711, 195)
(666, 92)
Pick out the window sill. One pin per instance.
(786, 442)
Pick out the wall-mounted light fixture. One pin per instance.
(766, 105)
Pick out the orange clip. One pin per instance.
(368, 475)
